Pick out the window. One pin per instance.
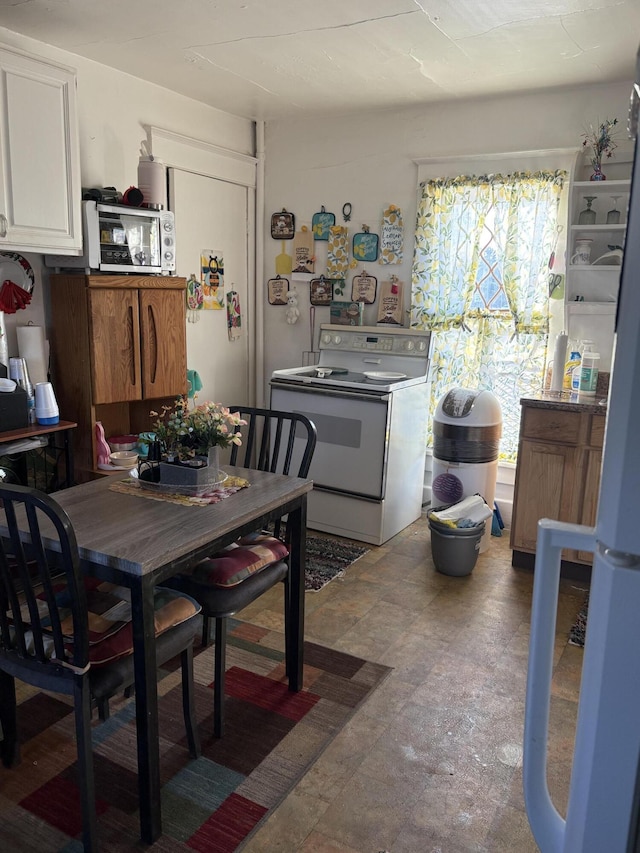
(480, 284)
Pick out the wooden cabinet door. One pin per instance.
(114, 333)
(40, 166)
(544, 489)
(591, 492)
(163, 342)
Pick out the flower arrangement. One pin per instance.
(185, 433)
(600, 141)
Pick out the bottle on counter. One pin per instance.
(571, 364)
(589, 374)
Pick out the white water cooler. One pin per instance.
(467, 427)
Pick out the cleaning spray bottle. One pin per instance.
(584, 347)
(572, 362)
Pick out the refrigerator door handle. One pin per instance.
(547, 825)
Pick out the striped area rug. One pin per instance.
(214, 804)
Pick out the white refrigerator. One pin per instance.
(604, 796)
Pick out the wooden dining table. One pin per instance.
(139, 542)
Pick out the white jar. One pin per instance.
(589, 373)
(152, 182)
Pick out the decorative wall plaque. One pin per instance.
(392, 236)
(391, 307)
(303, 258)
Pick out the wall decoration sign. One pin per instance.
(391, 306)
(283, 225)
(212, 278)
(364, 288)
(321, 291)
(303, 257)
(234, 317)
(277, 290)
(338, 251)
(195, 298)
(320, 224)
(365, 246)
(392, 238)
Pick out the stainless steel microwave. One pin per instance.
(122, 239)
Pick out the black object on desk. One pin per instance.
(14, 409)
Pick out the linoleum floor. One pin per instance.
(432, 763)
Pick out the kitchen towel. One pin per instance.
(33, 347)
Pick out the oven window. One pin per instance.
(346, 432)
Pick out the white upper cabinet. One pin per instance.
(40, 188)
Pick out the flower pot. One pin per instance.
(597, 174)
(199, 471)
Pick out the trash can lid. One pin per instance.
(473, 407)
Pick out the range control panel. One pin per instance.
(374, 340)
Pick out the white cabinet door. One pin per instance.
(40, 190)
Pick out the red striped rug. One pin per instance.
(214, 804)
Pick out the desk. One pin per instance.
(64, 428)
(139, 542)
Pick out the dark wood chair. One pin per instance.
(47, 639)
(228, 581)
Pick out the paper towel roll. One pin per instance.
(33, 347)
(559, 359)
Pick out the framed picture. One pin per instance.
(278, 290)
(321, 291)
(364, 288)
(283, 225)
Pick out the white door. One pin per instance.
(217, 215)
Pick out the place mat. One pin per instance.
(217, 493)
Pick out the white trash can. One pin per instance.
(467, 427)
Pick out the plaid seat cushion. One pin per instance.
(240, 560)
(109, 615)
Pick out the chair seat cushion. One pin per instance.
(235, 563)
(109, 616)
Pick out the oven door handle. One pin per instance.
(330, 392)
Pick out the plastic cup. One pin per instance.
(46, 404)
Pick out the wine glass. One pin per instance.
(613, 216)
(587, 216)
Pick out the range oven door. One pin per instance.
(351, 451)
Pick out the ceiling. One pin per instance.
(270, 59)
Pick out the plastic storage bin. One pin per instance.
(455, 549)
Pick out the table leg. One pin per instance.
(68, 457)
(144, 651)
(297, 527)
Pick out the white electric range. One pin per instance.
(368, 399)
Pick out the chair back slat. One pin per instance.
(32, 567)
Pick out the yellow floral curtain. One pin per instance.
(480, 284)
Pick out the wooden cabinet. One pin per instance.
(118, 346)
(558, 473)
(40, 187)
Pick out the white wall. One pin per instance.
(113, 108)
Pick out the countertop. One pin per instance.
(566, 401)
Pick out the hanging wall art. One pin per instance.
(365, 246)
(321, 291)
(212, 278)
(234, 317)
(320, 224)
(392, 238)
(195, 298)
(303, 257)
(391, 307)
(283, 225)
(364, 288)
(277, 290)
(338, 251)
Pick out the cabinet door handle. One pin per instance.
(153, 345)
(3, 225)
(132, 338)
